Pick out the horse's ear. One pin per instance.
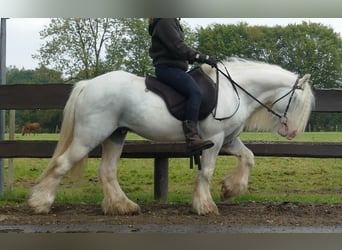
(304, 80)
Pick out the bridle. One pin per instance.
(283, 117)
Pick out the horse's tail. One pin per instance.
(67, 128)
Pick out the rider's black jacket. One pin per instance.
(168, 47)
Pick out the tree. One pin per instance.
(76, 46)
(133, 49)
(44, 75)
(15, 75)
(311, 48)
(305, 48)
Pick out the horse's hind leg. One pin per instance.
(115, 201)
(44, 192)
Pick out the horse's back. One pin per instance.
(115, 80)
(112, 90)
(33, 125)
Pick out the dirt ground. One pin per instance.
(260, 214)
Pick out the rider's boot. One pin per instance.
(194, 142)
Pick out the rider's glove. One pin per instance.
(206, 59)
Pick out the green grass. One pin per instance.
(305, 180)
(246, 136)
(305, 137)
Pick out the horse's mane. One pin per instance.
(262, 120)
(237, 62)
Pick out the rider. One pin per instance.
(171, 58)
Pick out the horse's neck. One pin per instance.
(264, 82)
(264, 85)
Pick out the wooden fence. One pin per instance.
(54, 96)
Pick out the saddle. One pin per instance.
(175, 102)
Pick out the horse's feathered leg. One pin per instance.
(44, 192)
(237, 181)
(115, 201)
(202, 202)
(67, 153)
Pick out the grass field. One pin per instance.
(272, 179)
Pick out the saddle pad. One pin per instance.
(175, 102)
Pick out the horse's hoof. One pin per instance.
(228, 190)
(40, 202)
(206, 209)
(114, 211)
(125, 208)
(38, 207)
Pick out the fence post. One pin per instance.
(2, 81)
(161, 179)
(11, 135)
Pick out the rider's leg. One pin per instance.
(186, 85)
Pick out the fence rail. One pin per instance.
(149, 149)
(54, 96)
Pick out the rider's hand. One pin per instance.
(206, 59)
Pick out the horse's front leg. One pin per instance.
(115, 201)
(237, 181)
(202, 202)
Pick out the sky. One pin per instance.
(23, 39)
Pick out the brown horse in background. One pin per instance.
(30, 127)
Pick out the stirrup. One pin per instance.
(198, 148)
(197, 158)
(195, 154)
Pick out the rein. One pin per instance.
(283, 118)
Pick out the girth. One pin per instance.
(175, 102)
